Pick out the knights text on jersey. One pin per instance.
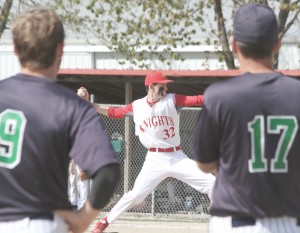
(157, 125)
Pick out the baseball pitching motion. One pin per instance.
(157, 125)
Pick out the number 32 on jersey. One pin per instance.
(287, 126)
(12, 127)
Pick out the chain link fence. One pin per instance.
(171, 196)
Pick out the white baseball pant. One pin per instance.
(78, 189)
(157, 167)
(73, 189)
(27, 225)
(262, 225)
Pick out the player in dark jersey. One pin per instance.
(248, 130)
(42, 126)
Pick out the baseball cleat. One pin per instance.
(101, 225)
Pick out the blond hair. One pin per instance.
(36, 36)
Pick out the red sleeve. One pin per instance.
(183, 100)
(121, 112)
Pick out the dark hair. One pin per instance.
(256, 51)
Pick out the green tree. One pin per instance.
(134, 25)
(141, 29)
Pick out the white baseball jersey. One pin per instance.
(158, 125)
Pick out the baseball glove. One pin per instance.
(83, 176)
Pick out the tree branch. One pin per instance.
(228, 56)
(284, 10)
(4, 15)
(290, 23)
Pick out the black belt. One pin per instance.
(42, 217)
(242, 221)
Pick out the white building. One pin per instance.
(79, 56)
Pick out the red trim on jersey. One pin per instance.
(187, 101)
(120, 112)
(151, 103)
(180, 100)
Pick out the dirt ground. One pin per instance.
(150, 226)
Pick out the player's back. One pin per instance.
(259, 119)
(39, 121)
(33, 121)
(257, 92)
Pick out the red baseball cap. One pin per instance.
(156, 77)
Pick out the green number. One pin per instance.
(258, 162)
(287, 126)
(12, 127)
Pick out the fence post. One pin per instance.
(153, 202)
(128, 99)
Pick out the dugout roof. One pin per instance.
(124, 86)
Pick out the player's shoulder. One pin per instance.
(222, 86)
(63, 91)
(140, 100)
(24, 81)
(289, 79)
(230, 85)
(169, 96)
(226, 89)
(8, 80)
(289, 85)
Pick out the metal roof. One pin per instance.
(109, 86)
